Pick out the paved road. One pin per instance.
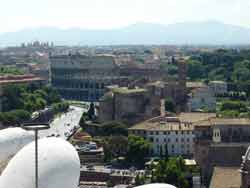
(63, 124)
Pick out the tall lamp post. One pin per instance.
(35, 127)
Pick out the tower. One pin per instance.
(182, 74)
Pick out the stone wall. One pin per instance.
(129, 105)
(208, 155)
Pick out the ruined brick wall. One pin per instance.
(129, 105)
(208, 155)
(106, 110)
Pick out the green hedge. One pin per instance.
(14, 117)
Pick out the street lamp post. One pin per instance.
(35, 127)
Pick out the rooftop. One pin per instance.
(224, 121)
(217, 82)
(161, 126)
(19, 79)
(181, 122)
(195, 116)
(111, 171)
(157, 83)
(195, 84)
(125, 90)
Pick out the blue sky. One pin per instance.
(104, 14)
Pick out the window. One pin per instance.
(187, 139)
(176, 132)
(165, 140)
(182, 132)
(157, 140)
(151, 139)
(97, 86)
(176, 139)
(102, 86)
(157, 133)
(172, 146)
(169, 140)
(165, 132)
(182, 140)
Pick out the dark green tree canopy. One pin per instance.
(138, 149)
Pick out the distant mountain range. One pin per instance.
(196, 33)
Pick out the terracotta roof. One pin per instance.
(124, 90)
(161, 126)
(223, 121)
(226, 177)
(195, 116)
(19, 79)
(230, 121)
(181, 122)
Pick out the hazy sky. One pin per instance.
(103, 14)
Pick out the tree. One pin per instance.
(172, 171)
(114, 128)
(161, 151)
(139, 180)
(138, 149)
(29, 97)
(8, 70)
(91, 111)
(52, 95)
(166, 151)
(241, 74)
(171, 69)
(195, 70)
(169, 104)
(83, 120)
(14, 117)
(115, 146)
(60, 107)
(12, 97)
(233, 105)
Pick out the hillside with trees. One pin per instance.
(19, 101)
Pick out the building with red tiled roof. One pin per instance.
(16, 79)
